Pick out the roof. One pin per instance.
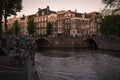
(91, 14)
(78, 14)
(31, 16)
(46, 11)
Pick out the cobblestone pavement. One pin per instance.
(86, 65)
(10, 71)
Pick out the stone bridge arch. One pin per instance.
(89, 43)
(42, 43)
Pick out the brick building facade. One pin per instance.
(65, 23)
(22, 23)
(41, 20)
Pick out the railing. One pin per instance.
(12, 68)
(112, 38)
(32, 71)
(37, 75)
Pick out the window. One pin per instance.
(39, 25)
(38, 31)
(43, 13)
(39, 19)
(45, 19)
(36, 20)
(37, 14)
(45, 31)
(45, 24)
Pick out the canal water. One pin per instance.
(78, 65)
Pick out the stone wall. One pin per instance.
(63, 42)
(109, 45)
(77, 43)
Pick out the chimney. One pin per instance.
(69, 10)
(75, 10)
(39, 9)
(85, 15)
(47, 9)
(23, 15)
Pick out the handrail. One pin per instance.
(38, 73)
(7, 67)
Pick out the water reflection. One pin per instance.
(79, 65)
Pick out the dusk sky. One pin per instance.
(31, 6)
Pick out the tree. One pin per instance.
(112, 7)
(1, 12)
(31, 26)
(11, 7)
(110, 25)
(11, 31)
(49, 30)
(16, 28)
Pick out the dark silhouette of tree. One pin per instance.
(10, 7)
(112, 7)
(11, 31)
(49, 30)
(31, 26)
(1, 12)
(16, 28)
(110, 25)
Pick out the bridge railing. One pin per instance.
(108, 37)
(111, 38)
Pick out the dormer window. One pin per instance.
(83, 16)
(37, 14)
(43, 13)
(69, 14)
(73, 15)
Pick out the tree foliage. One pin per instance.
(16, 30)
(1, 12)
(110, 25)
(11, 31)
(112, 7)
(31, 26)
(49, 30)
(11, 7)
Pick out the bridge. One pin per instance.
(88, 42)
